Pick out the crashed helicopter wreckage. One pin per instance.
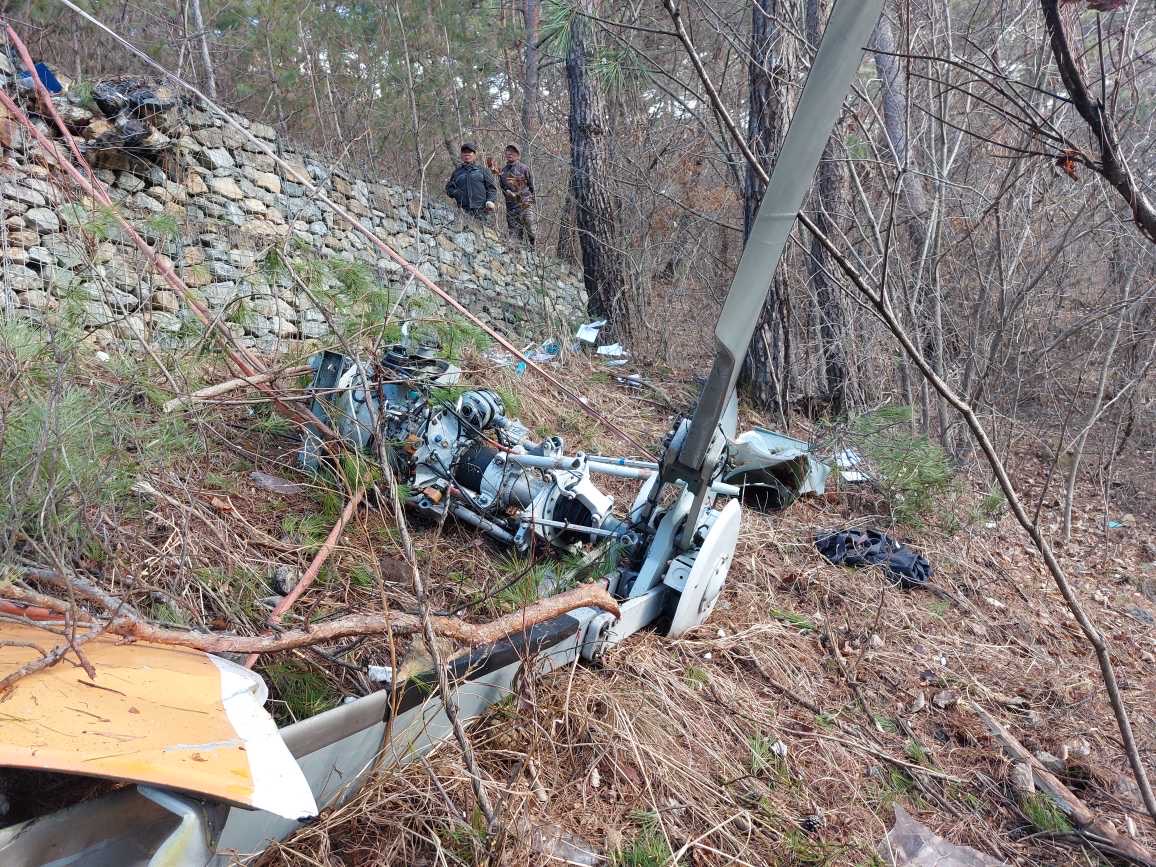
(467, 456)
(462, 455)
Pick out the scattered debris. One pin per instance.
(1021, 779)
(380, 674)
(1077, 748)
(945, 699)
(116, 123)
(851, 466)
(812, 823)
(873, 548)
(557, 846)
(285, 578)
(588, 333)
(276, 484)
(195, 722)
(44, 73)
(774, 469)
(1076, 810)
(546, 352)
(910, 843)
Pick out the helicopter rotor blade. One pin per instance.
(837, 61)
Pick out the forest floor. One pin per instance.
(815, 700)
(666, 751)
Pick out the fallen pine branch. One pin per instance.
(1082, 817)
(395, 622)
(211, 391)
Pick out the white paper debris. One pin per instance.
(588, 333)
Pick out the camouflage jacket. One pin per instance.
(517, 186)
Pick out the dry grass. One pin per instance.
(669, 751)
(673, 751)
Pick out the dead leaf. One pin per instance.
(1067, 163)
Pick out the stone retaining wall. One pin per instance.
(254, 245)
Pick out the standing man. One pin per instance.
(518, 187)
(472, 186)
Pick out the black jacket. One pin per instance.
(471, 186)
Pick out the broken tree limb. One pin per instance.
(401, 623)
(54, 656)
(211, 391)
(1113, 165)
(314, 568)
(1082, 817)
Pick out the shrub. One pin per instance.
(911, 469)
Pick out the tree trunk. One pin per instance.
(206, 60)
(531, 13)
(826, 198)
(596, 218)
(914, 219)
(894, 97)
(764, 372)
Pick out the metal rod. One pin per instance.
(624, 468)
(563, 462)
(577, 528)
(483, 524)
(622, 462)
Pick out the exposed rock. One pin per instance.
(216, 158)
(41, 256)
(23, 238)
(43, 219)
(17, 193)
(267, 181)
(36, 299)
(235, 202)
(19, 278)
(166, 321)
(226, 187)
(165, 301)
(145, 202)
(130, 182)
(195, 184)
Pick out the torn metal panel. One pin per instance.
(775, 468)
(155, 714)
(339, 747)
(132, 827)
